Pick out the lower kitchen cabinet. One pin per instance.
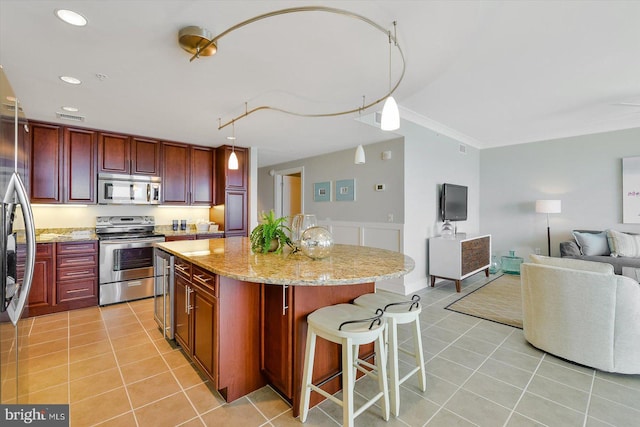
(182, 237)
(41, 295)
(276, 357)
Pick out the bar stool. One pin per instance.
(350, 326)
(397, 311)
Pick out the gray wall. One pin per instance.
(369, 206)
(584, 172)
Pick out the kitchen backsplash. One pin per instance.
(77, 217)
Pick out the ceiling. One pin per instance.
(488, 73)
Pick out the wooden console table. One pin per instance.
(458, 257)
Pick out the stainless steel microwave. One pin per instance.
(115, 189)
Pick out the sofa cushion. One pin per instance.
(623, 244)
(592, 244)
(576, 264)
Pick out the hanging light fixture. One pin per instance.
(233, 158)
(390, 119)
(359, 158)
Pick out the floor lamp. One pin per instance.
(547, 207)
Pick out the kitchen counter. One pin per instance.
(255, 296)
(347, 264)
(191, 232)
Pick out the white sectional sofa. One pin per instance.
(583, 312)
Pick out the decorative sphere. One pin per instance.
(316, 242)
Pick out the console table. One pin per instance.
(458, 257)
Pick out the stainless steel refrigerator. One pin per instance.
(17, 248)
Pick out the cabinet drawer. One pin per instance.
(68, 248)
(204, 280)
(475, 254)
(65, 274)
(89, 260)
(183, 268)
(77, 289)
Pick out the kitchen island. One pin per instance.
(241, 316)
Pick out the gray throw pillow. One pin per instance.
(592, 244)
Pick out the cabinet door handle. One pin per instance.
(284, 300)
(73, 291)
(188, 306)
(201, 278)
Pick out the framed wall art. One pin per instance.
(346, 190)
(631, 190)
(322, 191)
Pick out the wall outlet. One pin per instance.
(537, 251)
(379, 187)
(390, 217)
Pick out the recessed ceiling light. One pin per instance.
(70, 109)
(70, 80)
(231, 138)
(71, 17)
(11, 99)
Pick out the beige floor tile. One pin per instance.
(153, 388)
(238, 413)
(92, 366)
(130, 340)
(188, 376)
(163, 345)
(88, 351)
(135, 353)
(121, 331)
(58, 358)
(47, 336)
(124, 420)
(203, 398)
(92, 385)
(56, 320)
(37, 381)
(268, 402)
(85, 315)
(115, 310)
(88, 338)
(58, 394)
(170, 411)
(99, 408)
(86, 327)
(195, 422)
(143, 369)
(175, 358)
(48, 347)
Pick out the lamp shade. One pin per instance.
(548, 206)
(233, 161)
(390, 119)
(359, 158)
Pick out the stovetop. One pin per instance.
(125, 227)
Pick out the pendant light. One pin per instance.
(390, 119)
(359, 157)
(233, 159)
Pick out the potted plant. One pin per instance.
(270, 235)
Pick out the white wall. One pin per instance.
(584, 172)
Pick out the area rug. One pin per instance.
(499, 300)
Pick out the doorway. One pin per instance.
(289, 192)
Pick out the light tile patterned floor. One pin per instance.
(115, 369)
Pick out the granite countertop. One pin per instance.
(348, 264)
(52, 235)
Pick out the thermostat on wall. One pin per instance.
(379, 187)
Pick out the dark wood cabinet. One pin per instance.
(231, 192)
(181, 237)
(79, 166)
(276, 355)
(45, 163)
(77, 274)
(201, 175)
(42, 292)
(182, 331)
(126, 154)
(175, 174)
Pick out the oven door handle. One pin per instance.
(129, 241)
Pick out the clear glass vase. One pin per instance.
(495, 265)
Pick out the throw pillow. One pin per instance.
(592, 244)
(623, 244)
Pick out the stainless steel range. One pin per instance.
(126, 257)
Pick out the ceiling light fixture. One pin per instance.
(390, 114)
(71, 17)
(70, 80)
(233, 158)
(192, 39)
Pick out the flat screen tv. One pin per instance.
(453, 202)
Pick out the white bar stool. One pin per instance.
(350, 326)
(398, 310)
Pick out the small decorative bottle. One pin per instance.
(495, 265)
(511, 263)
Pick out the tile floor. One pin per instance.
(114, 369)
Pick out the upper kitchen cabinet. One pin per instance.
(130, 155)
(45, 165)
(80, 146)
(201, 176)
(187, 176)
(229, 179)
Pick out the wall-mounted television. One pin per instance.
(453, 202)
